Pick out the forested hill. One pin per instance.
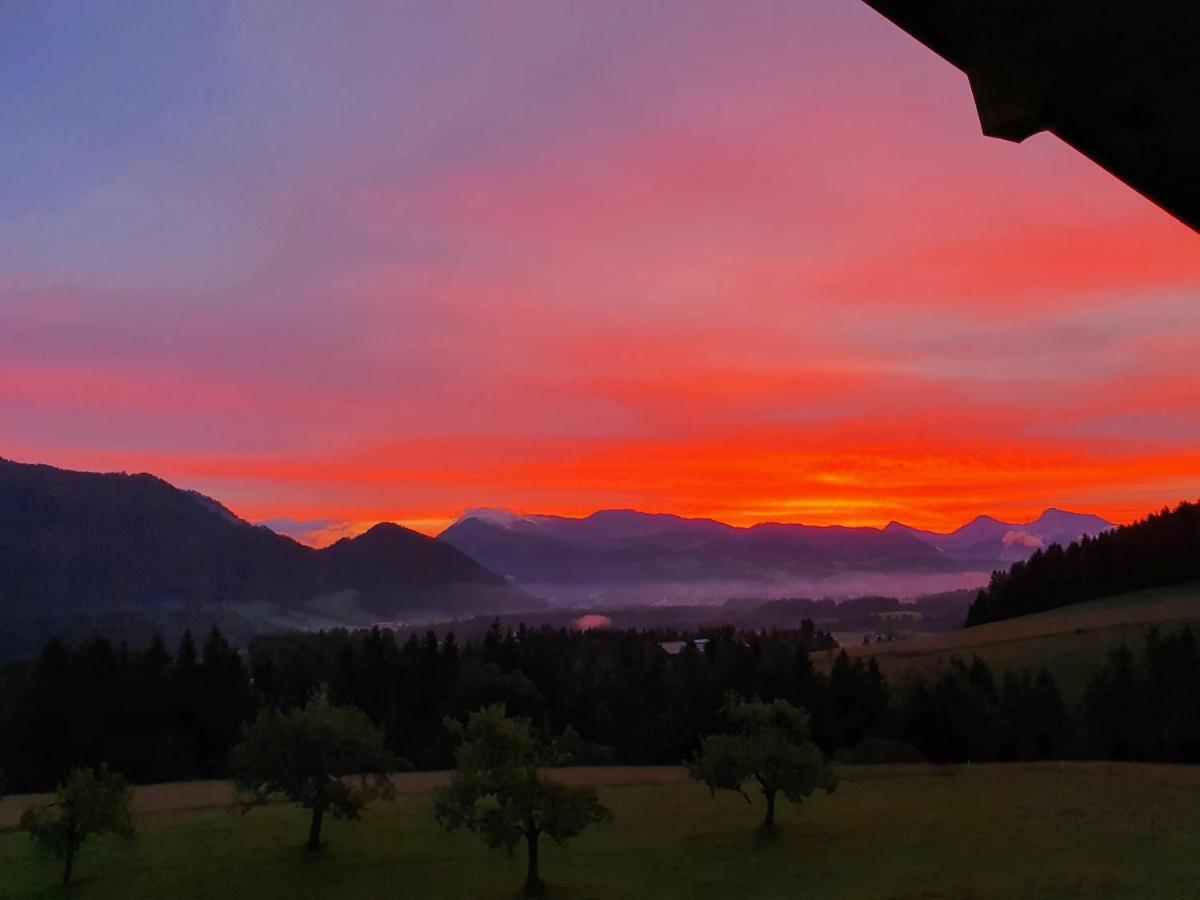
(1162, 549)
(81, 543)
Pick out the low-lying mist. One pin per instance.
(716, 591)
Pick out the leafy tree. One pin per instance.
(87, 803)
(858, 701)
(1172, 666)
(1115, 707)
(957, 717)
(310, 754)
(497, 792)
(224, 702)
(769, 745)
(1032, 717)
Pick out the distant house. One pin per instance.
(884, 637)
(674, 648)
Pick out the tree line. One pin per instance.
(1162, 549)
(608, 697)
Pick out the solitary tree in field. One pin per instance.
(326, 758)
(86, 804)
(497, 791)
(768, 745)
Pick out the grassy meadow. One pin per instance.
(1042, 830)
(1070, 641)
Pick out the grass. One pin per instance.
(996, 831)
(1070, 641)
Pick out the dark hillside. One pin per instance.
(1162, 549)
(76, 543)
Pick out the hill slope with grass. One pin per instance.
(1070, 641)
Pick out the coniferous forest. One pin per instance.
(1162, 549)
(615, 697)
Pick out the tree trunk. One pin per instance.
(68, 865)
(533, 882)
(72, 847)
(314, 829)
(768, 825)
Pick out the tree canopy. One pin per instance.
(768, 745)
(326, 758)
(498, 793)
(86, 804)
(615, 697)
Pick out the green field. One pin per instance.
(1070, 641)
(1003, 831)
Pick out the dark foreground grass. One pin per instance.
(997, 831)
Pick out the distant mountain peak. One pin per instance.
(385, 528)
(1054, 514)
(493, 515)
(381, 531)
(984, 519)
(624, 513)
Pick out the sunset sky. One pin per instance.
(333, 264)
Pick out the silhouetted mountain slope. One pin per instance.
(395, 569)
(1162, 549)
(76, 542)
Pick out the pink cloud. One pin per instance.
(591, 622)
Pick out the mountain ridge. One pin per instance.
(502, 515)
(115, 541)
(986, 536)
(646, 557)
(81, 542)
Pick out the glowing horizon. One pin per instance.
(391, 263)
